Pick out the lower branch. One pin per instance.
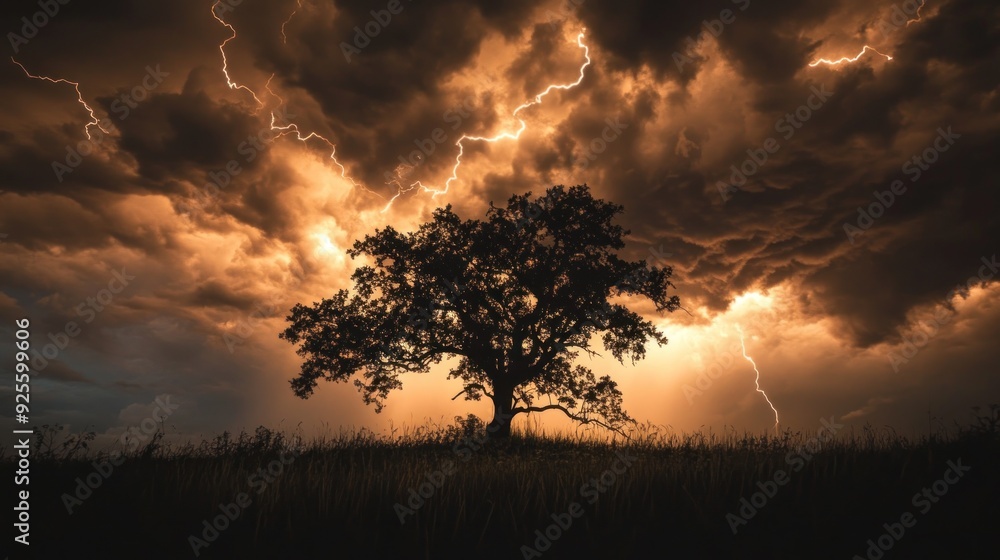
(567, 412)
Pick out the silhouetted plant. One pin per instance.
(515, 297)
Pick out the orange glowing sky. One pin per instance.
(520, 94)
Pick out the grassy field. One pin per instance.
(808, 495)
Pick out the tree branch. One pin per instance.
(580, 419)
(473, 386)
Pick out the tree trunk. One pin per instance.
(503, 402)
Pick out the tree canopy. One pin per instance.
(515, 297)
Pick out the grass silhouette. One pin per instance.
(336, 498)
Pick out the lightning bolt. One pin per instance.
(225, 62)
(293, 129)
(816, 63)
(920, 7)
(847, 60)
(285, 130)
(94, 121)
(284, 38)
(501, 136)
(757, 380)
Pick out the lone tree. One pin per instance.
(515, 297)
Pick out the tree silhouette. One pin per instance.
(516, 298)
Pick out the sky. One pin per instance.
(819, 174)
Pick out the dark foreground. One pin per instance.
(841, 494)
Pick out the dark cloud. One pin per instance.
(879, 116)
(275, 232)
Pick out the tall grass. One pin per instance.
(337, 497)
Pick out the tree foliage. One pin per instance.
(515, 297)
